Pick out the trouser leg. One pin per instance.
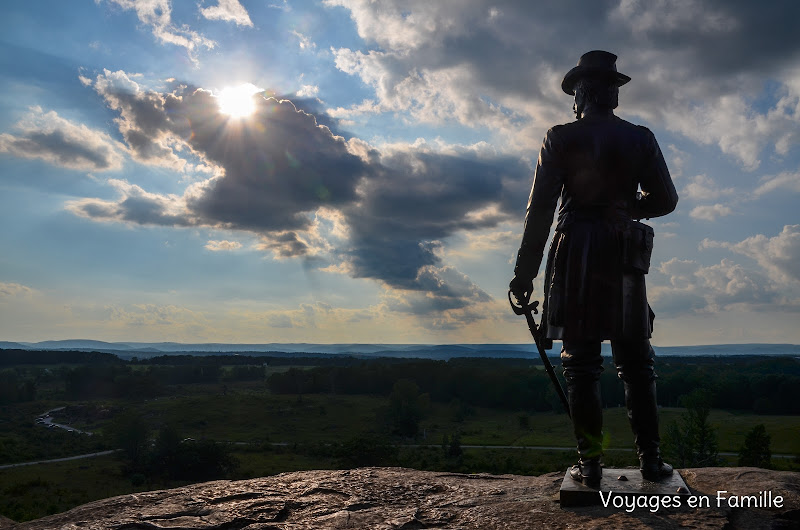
(634, 362)
(582, 365)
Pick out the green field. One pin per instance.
(257, 416)
(265, 433)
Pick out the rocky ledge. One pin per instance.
(377, 498)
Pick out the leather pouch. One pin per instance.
(637, 247)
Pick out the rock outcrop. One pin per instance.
(378, 498)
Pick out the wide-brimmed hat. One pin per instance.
(596, 63)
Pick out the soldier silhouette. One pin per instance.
(594, 285)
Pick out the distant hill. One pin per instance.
(128, 350)
(78, 344)
(6, 345)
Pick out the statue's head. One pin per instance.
(594, 91)
(595, 80)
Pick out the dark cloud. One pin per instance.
(280, 168)
(285, 245)
(413, 200)
(49, 137)
(697, 66)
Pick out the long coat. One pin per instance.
(595, 165)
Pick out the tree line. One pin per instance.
(763, 385)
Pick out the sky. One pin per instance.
(357, 171)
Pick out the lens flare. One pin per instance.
(237, 101)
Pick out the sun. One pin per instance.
(237, 101)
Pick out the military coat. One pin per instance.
(595, 166)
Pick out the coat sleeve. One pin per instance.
(658, 192)
(548, 181)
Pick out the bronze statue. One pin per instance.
(594, 286)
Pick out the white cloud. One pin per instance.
(308, 91)
(228, 11)
(304, 41)
(788, 180)
(680, 272)
(703, 187)
(430, 95)
(439, 62)
(10, 290)
(157, 14)
(60, 142)
(728, 122)
(410, 24)
(223, 245)
(678, 161)
(479, 244)
(730, 283)
(693, 287)
(778, 255)
(710, 212)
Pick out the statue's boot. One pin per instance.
(586, 409)
(640, 399)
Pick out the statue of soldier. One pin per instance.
(594, 287)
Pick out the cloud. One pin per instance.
(703, 187)
(307, 193)
(224, 245)
(499, 67)
(482, 243)
(678, 161)
(788, 180)
(279, 321)
(414, 199)
(668, 17)
(779, 256)
(692, 287)
(157, 14)
(143, 120)
(9, 290)
(435, 290)
(730, 283)
(60, 142)
(304, 41)
(710, 212)
(135, 206)
(286, 245)
(773, 286)
(228, 11)
(308, 91)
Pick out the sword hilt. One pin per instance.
(527, 306)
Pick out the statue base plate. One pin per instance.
(574, 493)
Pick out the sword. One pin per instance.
(529, 309)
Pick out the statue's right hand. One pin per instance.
(521, 288)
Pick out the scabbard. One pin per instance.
(537, 338)
(527, 310)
